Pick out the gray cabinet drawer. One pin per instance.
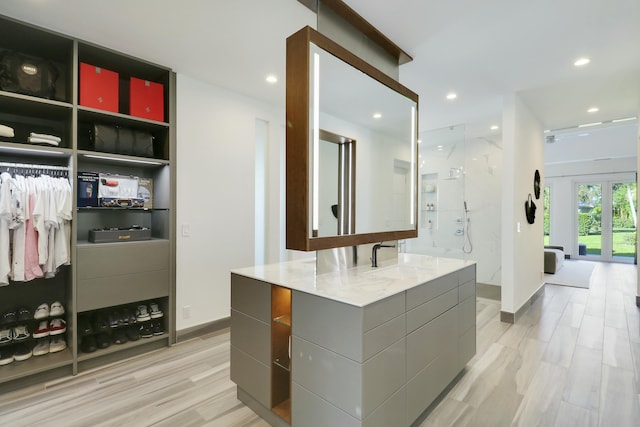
(423, 293)
(431, 340)
(251, 336)
(251, 297)
(466, 347)
(430, 310)
(467, 290)
(251, 376)
(382, 311)
(467, 314)
(467, 274)
(104, 292)
(117, 259)
(383, 336)
(309, 410)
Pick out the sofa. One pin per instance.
(553, 258)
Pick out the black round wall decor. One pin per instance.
(536, 184)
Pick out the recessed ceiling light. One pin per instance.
(271, 78)
(494, 127)
(586, 125)
(593, 110)
(419, 141)
(623, 120)
(377, 115)
(547, 131)
(582, 61)
(439, 147)
(452, 95)
(584, 134)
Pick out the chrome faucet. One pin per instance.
(374, 252)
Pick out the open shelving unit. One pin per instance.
(101, 275)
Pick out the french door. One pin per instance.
(606, 219)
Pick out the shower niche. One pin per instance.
(429, 200)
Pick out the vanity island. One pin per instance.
(358, 347)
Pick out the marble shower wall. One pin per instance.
(453, 170)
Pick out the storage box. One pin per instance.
(145, 191)
(98, 88)
(110, 235)
(117, 186)
(146, 99)
(87, 189)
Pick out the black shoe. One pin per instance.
(119, 337)
(6, 355)
(128, 317)
(8, 318)
(100, 324)
(84, 326)
(22, 352)
(132, 333)
(103, 340)
(115, 319)
(156, 327)
(23, 314)
(88, 344)
(144, 329)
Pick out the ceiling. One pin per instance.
(480, 50)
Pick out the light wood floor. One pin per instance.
(572, 360)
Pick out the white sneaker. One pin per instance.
(42, 330)
(57, 327)
(56, 309)
(42, 312)
(42, 347)
(21, 332)
(57, 344)
(155, 310)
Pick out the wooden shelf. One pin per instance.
(114, 348)
(283, 320)
(35, 365)
(283, 410)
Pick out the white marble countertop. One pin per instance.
(358, 286)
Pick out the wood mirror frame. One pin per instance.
(297, 152)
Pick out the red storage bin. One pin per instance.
(98, 88)
(146, 99)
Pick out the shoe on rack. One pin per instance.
(42, 347)
(21, 332)
(144, 329)
(155, 310)
(6, 336)
(132, 333)
(128, 317)
(22, 352)
(103, 340)
(84, 326)
(88, 344)
(23, 314)
(119, 337)
(57, 344)
(6, 355)
(142, 314)
(42, 330)
(42, 312)
(100, 324)
(56, 309)
(57, 327)
(156, 327)
(8, 318)
(115, 319)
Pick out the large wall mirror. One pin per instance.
(339, 192)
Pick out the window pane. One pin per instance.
(590, 219)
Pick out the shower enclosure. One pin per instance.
(444, 223)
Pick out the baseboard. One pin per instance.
(485, 290)
(203, 329)
(508, 317)
(638, 300)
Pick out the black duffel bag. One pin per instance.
(122, 140)
(27, 74)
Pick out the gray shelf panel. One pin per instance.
(19, 103)
(121, 159)
(83, 244)
(35, 365)
(114, 348)
(94, 114)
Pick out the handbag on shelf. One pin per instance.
(29, 75)
(122, 140)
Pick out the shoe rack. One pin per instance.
(103, 279)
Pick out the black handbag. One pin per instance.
(27, 74)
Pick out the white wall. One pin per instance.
(562, 178)
(522, 243)
(215, 193)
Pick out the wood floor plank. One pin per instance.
(619, 404)
(591, 332)
(617, 348)
(584, 379)
(575, 416)
(541, 402)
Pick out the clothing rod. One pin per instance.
(31, 166)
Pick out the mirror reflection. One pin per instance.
(349, 104)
